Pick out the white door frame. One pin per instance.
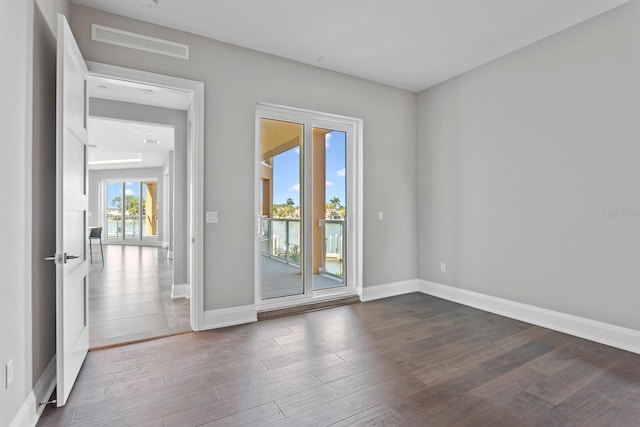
(195, 179)
(354, 160)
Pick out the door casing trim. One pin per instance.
(195, 179)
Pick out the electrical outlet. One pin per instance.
(443, 267)
(380, 215)
(9, 372)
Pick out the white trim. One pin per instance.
(169, 254)
(31, 409)
(604, 333)
(196, 173)
(370, 293)
(25, 416)
(223, 317)
(180, 291)
(165, 245)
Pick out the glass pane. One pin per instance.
(281, 236)
(114, 211)
(329, 208)
(149, 209)
(131, 210)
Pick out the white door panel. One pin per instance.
(72, 329)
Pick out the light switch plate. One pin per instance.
(212, 217)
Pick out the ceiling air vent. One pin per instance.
(138, 41)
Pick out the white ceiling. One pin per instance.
(411, 44)
(119, 140)
(136, 93)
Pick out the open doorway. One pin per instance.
(137, 157)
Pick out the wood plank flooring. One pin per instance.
(130, 297)
(411, 360)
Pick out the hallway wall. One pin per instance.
(178, 119)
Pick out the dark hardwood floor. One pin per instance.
(412, 360)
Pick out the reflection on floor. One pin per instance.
(280, 279)
(129, 298)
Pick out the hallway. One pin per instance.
(130, 297)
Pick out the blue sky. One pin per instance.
(286, 171)
(114, 189)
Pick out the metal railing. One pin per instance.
(280, 239)
(131, 227)
(333, 249)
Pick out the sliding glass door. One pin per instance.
(303, 203)
(282, 237)
(329, 208)
(131, 210)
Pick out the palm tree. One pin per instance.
(335, 203)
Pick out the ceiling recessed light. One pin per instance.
(107, 162)
(149, 3)
(152, 141)
(103, 87)
(136, 132)
(151, 132)
(146, 91)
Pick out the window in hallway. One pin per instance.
(131, 210)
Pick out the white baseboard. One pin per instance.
(370, 293)
(169, 254)
(30, 410)
(180, 291)
(220, 318)
(604, 333)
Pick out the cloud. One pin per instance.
(295, 187)
(327, 140)
(342, 172)
(128, 192)
(328, 183)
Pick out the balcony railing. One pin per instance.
(280, 238)
(131, 227)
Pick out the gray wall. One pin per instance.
(16, 24)
(44, 193)
(50, 9)
(178, 119)
(521, 160)
(96, 217)
(27, 45)
(235, 80)
(167, 197)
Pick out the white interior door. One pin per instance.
(72, 328)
